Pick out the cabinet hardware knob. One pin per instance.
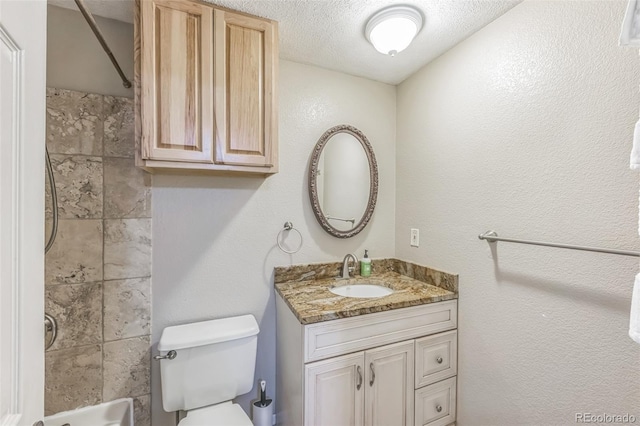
(373, 375)
(359, 384)
(438, 408)
(439, 360)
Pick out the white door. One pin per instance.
(334, 391)
(23, 26)
(389, 382)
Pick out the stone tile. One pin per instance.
(73, 378)
(127, 248)
(127, 189)
(127, 308)
(142, 410)
(119, 127)
(79, 186)
(77, 309)
(126, 366)
(76, 254)
(74, 122)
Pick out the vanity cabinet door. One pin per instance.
(177, 81)
(389, 382)
(334, 391)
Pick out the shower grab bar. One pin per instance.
(94, 27)
(492, 237)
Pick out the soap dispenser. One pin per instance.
(365, 265)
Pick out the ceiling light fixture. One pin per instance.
(391, 30)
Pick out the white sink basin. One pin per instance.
(363, 291)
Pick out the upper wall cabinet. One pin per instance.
(206, 88)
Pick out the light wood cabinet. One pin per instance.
(205, 88)
(245, 67)
(387, 368)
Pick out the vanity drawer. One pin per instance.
(435, 404)
(436, 358)
(342, 336)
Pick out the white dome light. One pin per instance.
(391, 30)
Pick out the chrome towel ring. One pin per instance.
(288, 226)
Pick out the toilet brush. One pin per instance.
(263, 408)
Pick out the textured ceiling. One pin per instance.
(330, 33)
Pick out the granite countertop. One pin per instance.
(311, 301)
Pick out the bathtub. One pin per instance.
(114, 413)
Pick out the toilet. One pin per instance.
(214, 362)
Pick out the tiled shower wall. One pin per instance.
(98, 284)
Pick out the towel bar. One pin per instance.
(492, 237)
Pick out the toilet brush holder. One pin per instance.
(263, 415)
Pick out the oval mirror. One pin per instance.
(343, 181)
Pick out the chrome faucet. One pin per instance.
(346, 269)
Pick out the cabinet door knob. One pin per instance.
(438, 408)
(359, 383)
(373, 375)
(439, 360)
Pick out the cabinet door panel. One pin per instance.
(389, 381)
(334, 391)
(246, 116)
(177, 81)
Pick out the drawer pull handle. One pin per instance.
(438, 408)
(373, 375)
(359, 384)
(439, 360)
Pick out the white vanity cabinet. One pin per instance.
(394, 367)
(374, 387)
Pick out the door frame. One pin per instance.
(22, 160)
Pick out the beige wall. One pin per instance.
(525, 128)
(75, 59)
(214, 238)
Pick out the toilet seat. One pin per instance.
(224, 414)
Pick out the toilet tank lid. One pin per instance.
(207, 332)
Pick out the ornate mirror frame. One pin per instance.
(373, 180)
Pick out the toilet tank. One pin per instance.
(215, 362)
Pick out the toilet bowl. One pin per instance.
(204, 365)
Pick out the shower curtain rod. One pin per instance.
(492, 237)
(94, 27)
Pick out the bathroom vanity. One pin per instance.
(366, 361)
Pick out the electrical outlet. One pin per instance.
(415, 237)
